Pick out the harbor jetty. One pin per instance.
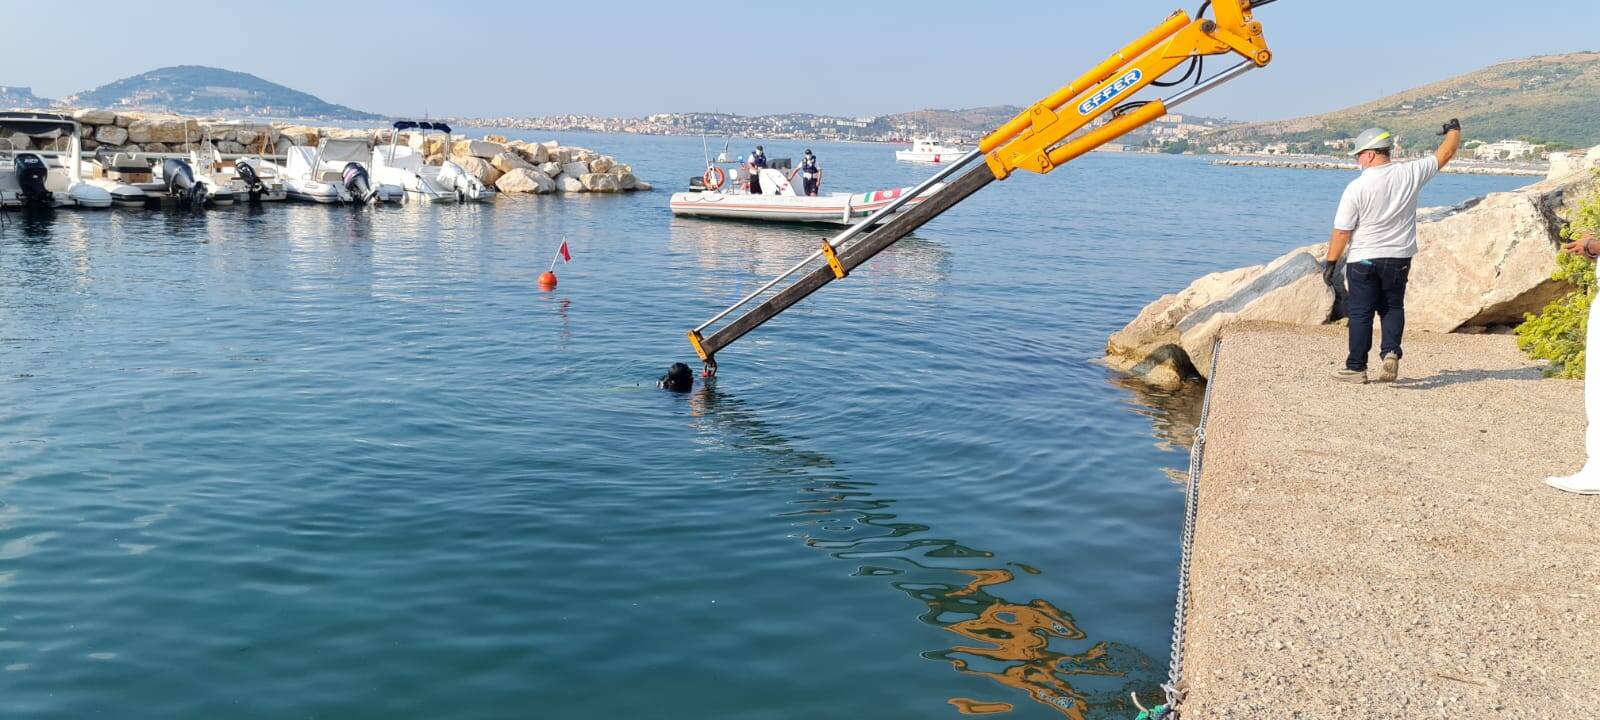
(1388, 551)
(510, 166)
(1463, 167)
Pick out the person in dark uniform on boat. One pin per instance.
(810, 174)
(754, 165)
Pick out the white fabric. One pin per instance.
(1588, 479)
(1381, 207)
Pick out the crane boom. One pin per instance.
(1039, 139)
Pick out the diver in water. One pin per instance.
(679, 378)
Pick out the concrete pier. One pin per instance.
(1389, 551)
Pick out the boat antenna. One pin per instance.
(705, 149)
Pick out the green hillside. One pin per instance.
(1554, 98)
(211, 91)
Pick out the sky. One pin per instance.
(490, 58)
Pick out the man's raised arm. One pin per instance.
(1452, 142)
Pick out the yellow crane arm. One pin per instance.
(1050, 133)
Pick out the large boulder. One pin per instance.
(507, 161)
(1290, 290)
(478, 168)
(1486, 263)
(525, 180)
(299, 135)
(601, 164)
(95, 117)
(18, 141)
(642, 186)
(1150, 346)
(575, 169)
(626, 181)
(476, 148)
(570, 184)
(161, 129)
(600, 182)
(533, 153)
(111, 135)
(230, 147)
(550, 168)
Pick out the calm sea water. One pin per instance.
(335, 463)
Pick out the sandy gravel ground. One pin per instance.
(1388, 551)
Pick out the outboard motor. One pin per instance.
(181, 183)
(357, 182)
(31, 174)
(251, 180)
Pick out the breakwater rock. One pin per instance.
(1464, 167)
(511, 166)
(1482, 265)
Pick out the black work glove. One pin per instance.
(1330, 269)
(1454, 124)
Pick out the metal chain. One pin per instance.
(1191, 510)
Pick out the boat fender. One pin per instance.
(31, 174)
(714, 178)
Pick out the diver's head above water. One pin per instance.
(679, 378)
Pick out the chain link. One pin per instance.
(1191, 510)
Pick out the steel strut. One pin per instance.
(1039, 139)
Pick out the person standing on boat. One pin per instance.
(754, 165)
(810, 174)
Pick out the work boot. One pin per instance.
(1358, 377)
(1391, 368)
(1582, 483)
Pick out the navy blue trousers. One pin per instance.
(1377, 287)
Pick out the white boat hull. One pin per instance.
(836, 209)
(935, 158)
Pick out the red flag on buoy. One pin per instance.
(566, 255)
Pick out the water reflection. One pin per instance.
(762, 251)
(1030, 646)
(1173, 414)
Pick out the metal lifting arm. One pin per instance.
(1038, 140)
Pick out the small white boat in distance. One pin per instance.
(404, 165)
(778, 201)
(927, 150)
(45, 178)
(332, 172)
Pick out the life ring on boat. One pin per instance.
(714, 178)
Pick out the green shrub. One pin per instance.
(1558, 332)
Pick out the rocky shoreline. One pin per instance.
(510, 166)
(1482, 265)
(1312, 164)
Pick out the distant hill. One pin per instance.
(211, 91)
(982, 119)
(13, 96)
(1549, 97)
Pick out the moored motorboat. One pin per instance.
(45, 178)
(332, 172)
(927, 150)
(778, 200)
(404, 165)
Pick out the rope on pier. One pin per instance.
(1191, 509)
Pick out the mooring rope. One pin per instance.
(1191, 509)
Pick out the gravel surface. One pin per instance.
(1389, 551)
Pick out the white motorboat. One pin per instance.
(332, 172)
(140, 180)
(778, 200)
(927, 150)
(45, 178)
(404, 165)
(248, 177)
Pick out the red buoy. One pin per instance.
(547, 281)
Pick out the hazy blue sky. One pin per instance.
(501, 57)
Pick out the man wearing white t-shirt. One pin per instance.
(1377, 221)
